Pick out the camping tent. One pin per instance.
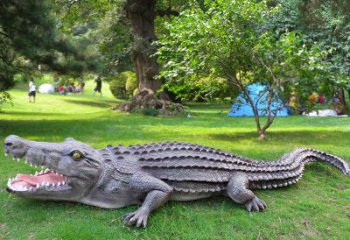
(258, 94)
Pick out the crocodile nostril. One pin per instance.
(8, 144)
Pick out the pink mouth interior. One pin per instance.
(31, 181)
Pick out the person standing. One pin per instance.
(82, 85)
(98, 87)
(32, 91)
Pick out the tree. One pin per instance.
(326, 22)
(233, 41)
(140, 18)
(29, 36)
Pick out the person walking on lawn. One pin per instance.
(98, 87)
(32, 91)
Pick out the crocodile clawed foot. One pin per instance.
(137, 218)
(255, 205)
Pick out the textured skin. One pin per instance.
(152, 174)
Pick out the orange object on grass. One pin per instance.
(312, 98)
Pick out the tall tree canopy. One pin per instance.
(130, 34)
(327, 23)
(29, 36)
(236, 41)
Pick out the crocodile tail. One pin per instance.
(315, 155)
(289, 168)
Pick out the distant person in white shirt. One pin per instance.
(32, 91)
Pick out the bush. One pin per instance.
(202, 89)
(123, 85)
(5, 97)
(131, 83)
(117, 87)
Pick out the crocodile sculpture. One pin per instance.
(151, 174)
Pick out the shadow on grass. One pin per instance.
(131, 129)
(104, 104)
(307, 137)
(21, 113)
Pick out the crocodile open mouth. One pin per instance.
(44, 180)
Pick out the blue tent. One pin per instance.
(258, 94)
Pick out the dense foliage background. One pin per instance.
(191, 50)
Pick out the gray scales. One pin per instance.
(151, 174)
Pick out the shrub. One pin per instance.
(123, 85)
(117, 87)
(131, 83)
(5, 97)
(202, 89)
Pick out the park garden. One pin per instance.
(214, 73)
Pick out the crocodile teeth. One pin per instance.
(37, 185)
(6, 155)
(18, 159)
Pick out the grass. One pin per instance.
(318, 207)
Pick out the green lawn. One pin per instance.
(318, 207)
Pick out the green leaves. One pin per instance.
(238, 41)
(232, 40)
(325, 24)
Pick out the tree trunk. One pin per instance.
(341, 96)
(141, 15)
(261, 134)
(342, 107)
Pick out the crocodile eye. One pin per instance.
(76, 155)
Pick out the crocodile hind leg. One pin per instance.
(237, 190)
(157, 193)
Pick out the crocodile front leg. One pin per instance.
(237, 189)
(158, 192)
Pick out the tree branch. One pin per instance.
(167, 12)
